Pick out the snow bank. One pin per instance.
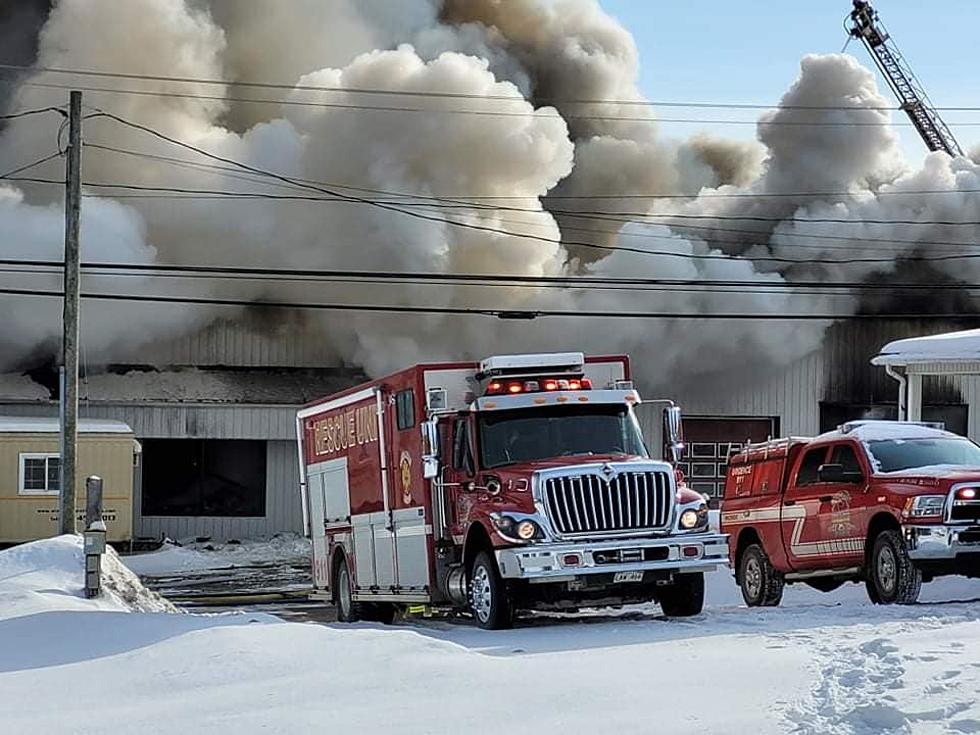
(48, 575)
(174, 558)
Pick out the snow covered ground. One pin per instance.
(820, 664)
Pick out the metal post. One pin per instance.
(69, 396)
(95, 535)
(914, 404)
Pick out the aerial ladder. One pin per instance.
(865, 24)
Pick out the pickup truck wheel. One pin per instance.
(683, 598)
(762, 585)
(348, 611)
(892, 578)
(489, 601)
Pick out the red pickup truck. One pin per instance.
(888, 503)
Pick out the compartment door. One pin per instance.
(318, 533)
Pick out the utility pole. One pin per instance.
(69, 393)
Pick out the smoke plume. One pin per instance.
(515, 123)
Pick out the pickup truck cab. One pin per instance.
(888, 503)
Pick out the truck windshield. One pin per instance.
(528, 434)
(895, 455)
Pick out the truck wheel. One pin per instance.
(762, 585)
(683, 598)
(489, 601)
(348, 611)
(892, 578)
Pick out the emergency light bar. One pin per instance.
(498, 366)
(513, 387)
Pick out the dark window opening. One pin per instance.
(811, 464)
(405, 409)
(204, 477)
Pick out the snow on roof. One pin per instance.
(950, 347)
(43, 425)
(882, 430)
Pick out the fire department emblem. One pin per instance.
(840, 515)
(405, 466)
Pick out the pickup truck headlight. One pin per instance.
(694, 517)
(926, 506)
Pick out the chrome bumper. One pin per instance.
(699, 552)
(941, 542)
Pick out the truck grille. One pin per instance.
(629, 501)
(965, 510)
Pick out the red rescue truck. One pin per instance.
(520, 482)
(888, 503)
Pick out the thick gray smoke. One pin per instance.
(529, 63)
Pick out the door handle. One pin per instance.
(826, 498)
(789, 502)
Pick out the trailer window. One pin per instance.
(405, 409)
(39, 474)
(807, 474)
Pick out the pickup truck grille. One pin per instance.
(628, 501)
(966, 510)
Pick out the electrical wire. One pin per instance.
(508, 314)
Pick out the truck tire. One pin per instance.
(348, 611)
(684, 597)
(892, 577)
(489, 601)
(762, 585)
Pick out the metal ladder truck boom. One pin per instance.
(865, 24)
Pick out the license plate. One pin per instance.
(628, 577)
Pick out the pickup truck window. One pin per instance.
(812, 460)
(526, 435)
(895, 455)
(844, 455)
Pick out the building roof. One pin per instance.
(39, 425)
(951, 347)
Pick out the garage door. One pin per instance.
(710, 441)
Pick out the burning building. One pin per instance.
(287, 151)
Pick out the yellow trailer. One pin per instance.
(29, 465)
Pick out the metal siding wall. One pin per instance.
(793, 395)
(182, 421)
(283, 508)
(247, 342)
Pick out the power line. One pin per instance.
(497, 313)
(423, 277)
(712, 239)
(463, 198)
(28, 113)
(564, 114)
(32, 164)
(288, 86)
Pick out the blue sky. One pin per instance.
(749, 51)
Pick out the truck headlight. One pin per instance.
(527, 530)
(516, 530)
(693, 518)
(926, 506)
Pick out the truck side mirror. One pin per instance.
(430, 449)
(673, 434)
